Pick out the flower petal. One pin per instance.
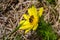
(35, 27)
(41, 11)
(26, 16)
(25, 26)
(26, 22)
(21, 21)
(32, 11)
(27, 31)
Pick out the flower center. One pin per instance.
(31, 19)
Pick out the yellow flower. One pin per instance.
(31, 20)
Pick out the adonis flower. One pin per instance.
(31, 19)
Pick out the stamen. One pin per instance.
(31, 19)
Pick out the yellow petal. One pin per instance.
(21, 21)
(26, 22)
(32, 11)
(41, 11)
(35, 27)
(26, 25)
(27, 31)
(26, 16)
